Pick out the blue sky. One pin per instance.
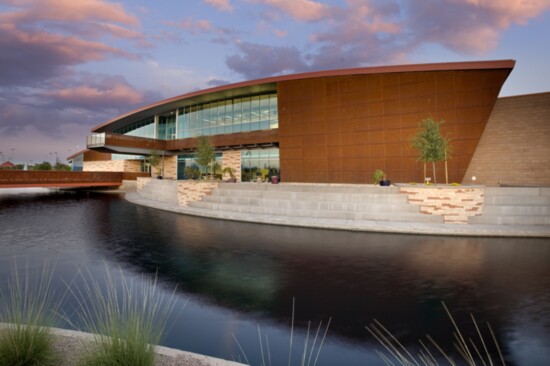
(69, 65)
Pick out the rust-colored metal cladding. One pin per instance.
(339, 129)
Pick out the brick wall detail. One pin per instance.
(190, 191)
(515, 146)
(170, 167)
(454, 204)
(112, 166)
(232, 159)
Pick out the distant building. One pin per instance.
(7, 165)
(335, 126)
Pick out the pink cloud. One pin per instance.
(193, 26)
(280, 33)
(44, 37)
(222, 5)
(69, 10)
(302, 10)
(86, 95)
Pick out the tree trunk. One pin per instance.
(424, 172)
(433, 168)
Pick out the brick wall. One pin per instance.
(170, 167)
(515, 146)
(454, 204)
(112, 166)
(232, 159)
(190, 191)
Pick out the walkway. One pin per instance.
(484, 230)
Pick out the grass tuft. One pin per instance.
(471, 352)
(29, 308)
(128, 318)
(311, 348)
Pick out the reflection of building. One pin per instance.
(328, 126)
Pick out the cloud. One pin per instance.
(468, 26)
(280, 33)
(221, 5)
(39, 39)
(193, 26)
(106, 92)
(301, 10)
(369, 32)
(217, 82)
(255, 61)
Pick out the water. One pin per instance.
(232, 277)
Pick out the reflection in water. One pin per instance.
(240, 274)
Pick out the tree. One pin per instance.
(205, 152)
(432, 146)
(46, 165)
(153, 160)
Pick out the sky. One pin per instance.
(69, 65)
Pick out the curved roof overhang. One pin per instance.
(270, 84)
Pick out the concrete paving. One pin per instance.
(484, 230)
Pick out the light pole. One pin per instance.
(1, 153)
(12, 155)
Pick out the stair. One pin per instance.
(322, 201)
(160, 190)
(515, 206)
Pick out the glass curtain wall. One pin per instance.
(142, 128)
(189, 169)
(259, 164)
(250, 113)
(167, 128)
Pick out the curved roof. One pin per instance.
(269, 84)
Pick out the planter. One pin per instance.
(385, 183)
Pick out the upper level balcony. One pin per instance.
(124, 144)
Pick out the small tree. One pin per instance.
(153, 160)
(205, 152)
(432, 146)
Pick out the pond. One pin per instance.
(232, 277)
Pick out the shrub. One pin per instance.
(127, 319)
(28, 307)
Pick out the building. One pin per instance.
(335, 126)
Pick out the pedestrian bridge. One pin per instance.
(63, 179)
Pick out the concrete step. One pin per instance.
(517, 200)
(516, 210)
(160, 190)
(510, 220)
(316, 213)
(317, 188)
(314, 196)
(365, 205)
(514, 191)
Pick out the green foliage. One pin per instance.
(192, 172)
(230, 171)
(42, 166)
(153, 159)
(28, 308)
(127, 318)
(205, 152)
(431, 145)
(377, 176)
(62, 167)
(429, 142)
